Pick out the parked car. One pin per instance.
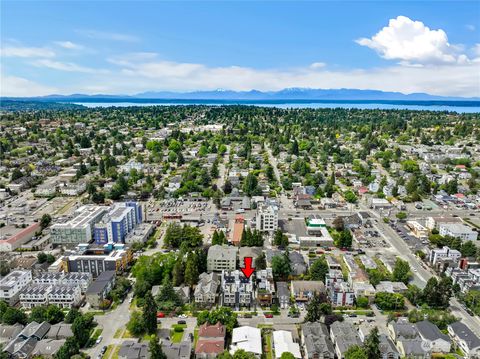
(182, 322)
(268, 315)
(160, 315)
(99, 340)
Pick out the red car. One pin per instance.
(160, 315)
(268, 315)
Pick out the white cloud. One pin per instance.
(138, 76)
(470, 27)
(103, 35)
(412, 42)
(69, 45)
(19, 51)
(318, 65)
(13, 86)
(66, 66)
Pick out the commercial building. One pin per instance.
(461, 231)
(17, 240)
(267, 217)
(78, 229)
(221, 258)
(12, 284)
(238, 228)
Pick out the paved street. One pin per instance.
(110, 323)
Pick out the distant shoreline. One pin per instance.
(450, 106)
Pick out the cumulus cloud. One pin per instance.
(21, 51)
(137, 76)
(413, 42)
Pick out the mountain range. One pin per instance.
(296, 94)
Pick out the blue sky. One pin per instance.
(129, 47)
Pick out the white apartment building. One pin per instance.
(267, 217)
(79, 229)
(445, 252)
(457, 230)
(81, 280)
(64, 296)
(12, 284)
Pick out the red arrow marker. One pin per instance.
(248, 270)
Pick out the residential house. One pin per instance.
(97, 291)
(211, 341)
(48, 348)
(206, 290)
(303, 290)
(429, 332)
(9, 332)
(297, 263)
(133, 350)
(283, 343)
(316, 341)
(265, 286)
(343, 336)
(283, 295)
(248, 339)
(465, 339)
(182, 350)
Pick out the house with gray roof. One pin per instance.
(343, 336)
(9, 332)
(297, 263)
(283, 295)
(316, 341)
(206, 289)
(387, 348)
(133, 350)
(465, 339)
(20, 347)
(60, 331)
(429, 332)
(48, 348)
(413, 348)
(183, 292)
(35, 330)
(402, 329)
(182, 350)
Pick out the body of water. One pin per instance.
(451, 106)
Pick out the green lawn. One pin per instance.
(176, 337)
(195, 337)
(269, 353)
